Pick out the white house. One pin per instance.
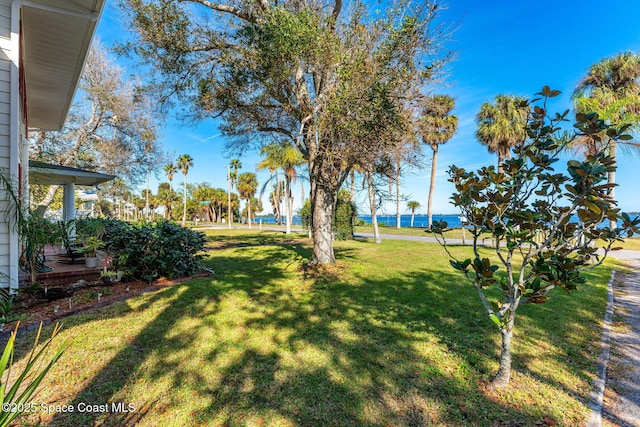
(43, 45)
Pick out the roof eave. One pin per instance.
(47, 174)
(56, 40)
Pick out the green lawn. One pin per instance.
(391, 336)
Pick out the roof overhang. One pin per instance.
(48, 174)
(56, 35)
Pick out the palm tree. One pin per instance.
(219, 201)
(166, 196)
(138, 205)
(149, 200)
(275, 198)
(437, 126)
(413, 205)
(170, 169)
(185, 161)
(287, 158)
(256, 205)
(501, 125)
(232, 176)
(611, 89)
(271, 162)
(235, 165)
(203, 194)
(247, 187)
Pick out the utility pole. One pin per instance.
(228, 196)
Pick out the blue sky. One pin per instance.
(508, 47)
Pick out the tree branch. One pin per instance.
(276, 129)
(225, 8)
(336, 12)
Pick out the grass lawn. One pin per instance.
(391, 336)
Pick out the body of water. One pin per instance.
(419, 221)
(387, 220)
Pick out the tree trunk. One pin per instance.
(146, 203)
(372, 202)
(353, 184)
(184, 202)
(249, 211)
(611, 178)
(398, 218)
(432, 185)
(276, 209)
(501, 380)
(290, 219)
(287, 202)
(278, 201)
(322, 207)
(500, 161)
(43, 205)
(413, 214)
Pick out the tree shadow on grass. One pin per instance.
(265, 347)
(565, 331)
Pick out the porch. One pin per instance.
(63, 271)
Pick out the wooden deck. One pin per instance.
(63, 272)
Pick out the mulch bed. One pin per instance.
(36, 310)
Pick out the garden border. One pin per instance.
(157, 285)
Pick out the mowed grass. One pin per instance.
(237, 238)
(390, 336)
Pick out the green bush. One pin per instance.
(151, 250)
(305, 214)
(344, 217)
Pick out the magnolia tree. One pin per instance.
(546, 225)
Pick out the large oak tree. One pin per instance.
(328, 78)
(110, 127)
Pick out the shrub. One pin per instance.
(152, 250)
(89, 227)
(305, 214)
(344, 216)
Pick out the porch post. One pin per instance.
(69, 206)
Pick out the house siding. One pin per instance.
(6, 47)
(5, 19)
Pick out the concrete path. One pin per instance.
(622, 393)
